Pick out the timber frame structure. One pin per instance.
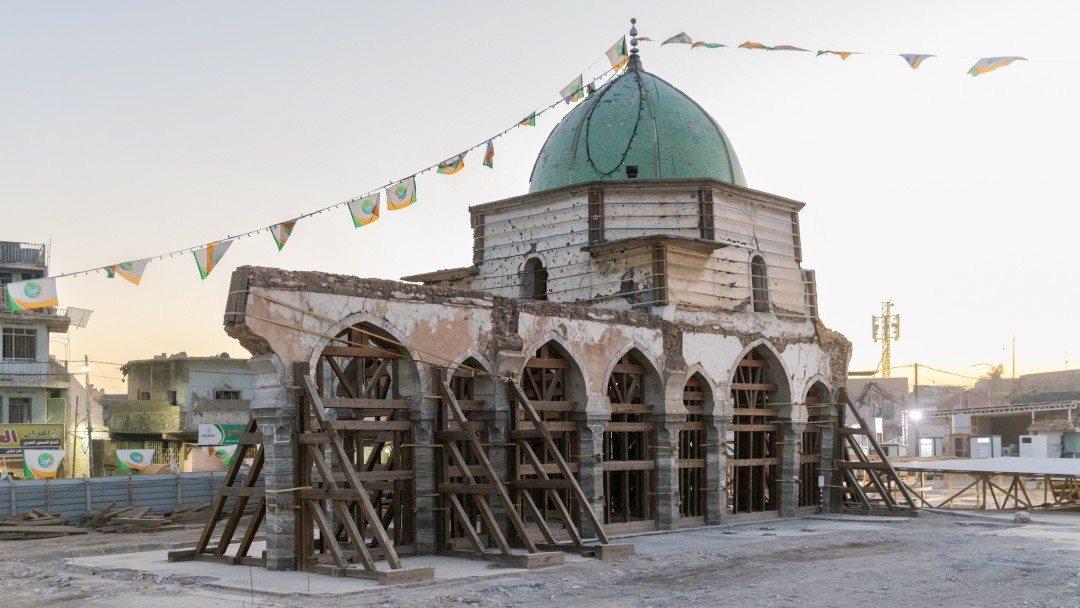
(424, 420)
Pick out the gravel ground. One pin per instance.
(932, 560)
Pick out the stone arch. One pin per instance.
(636, 395)
(655, 391)
(553, 384)
(819, 413)
(416, 382)
(760, 390)
(692, 466)
(780, 372)
(712, 404)
(485, 383)
(578, 382)
(370, 382)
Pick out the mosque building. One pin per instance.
(636, 346)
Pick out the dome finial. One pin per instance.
(635, 59)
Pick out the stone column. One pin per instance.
(830, 495)
(790, 458)
(425, 460)
(667, 470)
(591, 466)
(274, 409)
(498, 454)
(716, 468)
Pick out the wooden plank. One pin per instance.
(629, 465)
(538, 363)
(755, 411)
(370, 425)
(555, 406)
(541, 484)
(629, 427)
(631, 408)
(368, 352)
(385, 404)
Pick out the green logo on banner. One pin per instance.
(126, 266)
(32, 289)
(45, 460)
(401, 191)
(136, 457)
(367, 206)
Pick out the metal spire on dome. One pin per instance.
(635, 59)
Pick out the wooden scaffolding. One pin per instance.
(869, 485)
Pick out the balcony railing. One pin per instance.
(34, 373)
(22, 253)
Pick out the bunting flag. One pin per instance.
(489, 155)
(754, 45)
(39, 464)
(843, 54)
(208, 257)
(680, 38)
(989, 64)
(572, 91)
(401, 195)
(35, 293)
(590, 88)
(530, 120)
(708, 45)
(135, 460)
(788, 47)
(281, 232)
(132, 271)
(617, 54)
(915, 60)
(365, 210)
(453, 164)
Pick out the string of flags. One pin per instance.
(982, 66)
(42, 293)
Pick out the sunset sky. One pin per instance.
(132, 129)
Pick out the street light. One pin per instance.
(915, 416)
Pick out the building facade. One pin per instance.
(33, 383)
(641, 310)
(169, 396)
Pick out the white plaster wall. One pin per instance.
(555, 228)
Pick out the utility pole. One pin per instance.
(89, 419)
(886, 328)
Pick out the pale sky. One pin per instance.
(132, 129)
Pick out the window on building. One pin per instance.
(20, 343)
(5, 278)
(19, 410)
(144, 395)
(810, 293)
(478, 239)
(759, 283)
(796, 238)
(170, 396)
(705, 214)
(226, 394)
(596, 216)
(534, 280)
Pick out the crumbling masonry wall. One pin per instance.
(285, 318)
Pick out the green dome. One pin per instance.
(635, 120)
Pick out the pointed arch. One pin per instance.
(759, 384)
(779, 372)
(693, 455)
(566, 351)
(819, 411)
(635, 392)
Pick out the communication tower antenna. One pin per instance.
(886, 328)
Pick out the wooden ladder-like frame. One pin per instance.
(250, 441)
(881, 477)
(551, 487)
(481, 481)
(316, 442)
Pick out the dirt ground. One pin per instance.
(932, 560)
